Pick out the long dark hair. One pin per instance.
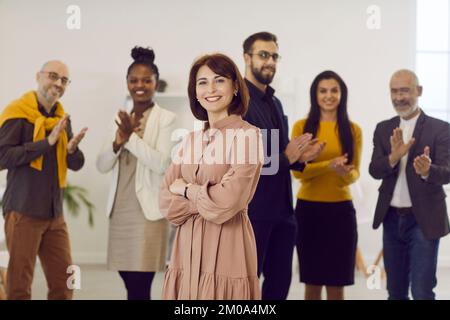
(343, 122)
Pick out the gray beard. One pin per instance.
(406, 114)
(50, 100)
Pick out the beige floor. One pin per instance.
(98, 283)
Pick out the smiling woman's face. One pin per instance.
(142, 84)
(214, 92)
(328, 95)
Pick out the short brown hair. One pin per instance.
(225, 67)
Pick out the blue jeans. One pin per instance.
(409, 258)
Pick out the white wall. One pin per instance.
(313, 36)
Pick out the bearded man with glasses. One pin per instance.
(37, 147)
(271, 210)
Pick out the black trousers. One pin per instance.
(275, 241)
(138, 284)
(327, 235)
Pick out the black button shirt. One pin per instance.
(273, 195)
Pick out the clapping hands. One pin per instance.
(126, 125)
(422, 163)
(340, 165)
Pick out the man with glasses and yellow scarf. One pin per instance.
(37, 147)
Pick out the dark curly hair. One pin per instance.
(145, 57)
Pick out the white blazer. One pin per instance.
(153, 153)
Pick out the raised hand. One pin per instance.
(340, 165)
(311, 150)
(398, 146)
(56, 131)
(75, 141)
(294, 150)
(344, 169)
(422, 163)
(338, 161)
(127, 124)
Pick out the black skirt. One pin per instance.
(326, 242)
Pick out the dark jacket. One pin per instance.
(427, 196)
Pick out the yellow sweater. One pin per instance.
(26, 108)
(318, 181)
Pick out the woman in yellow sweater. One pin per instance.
(327, 231)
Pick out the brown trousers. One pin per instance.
(27, 238)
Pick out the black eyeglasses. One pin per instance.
(55, 77)
(265, 55)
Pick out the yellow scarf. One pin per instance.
(27, 108)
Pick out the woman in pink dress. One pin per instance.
(207, 189)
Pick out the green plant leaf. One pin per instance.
(75, 197)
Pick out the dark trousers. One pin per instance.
(409, 258)
(138, 284)
(275, 241)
